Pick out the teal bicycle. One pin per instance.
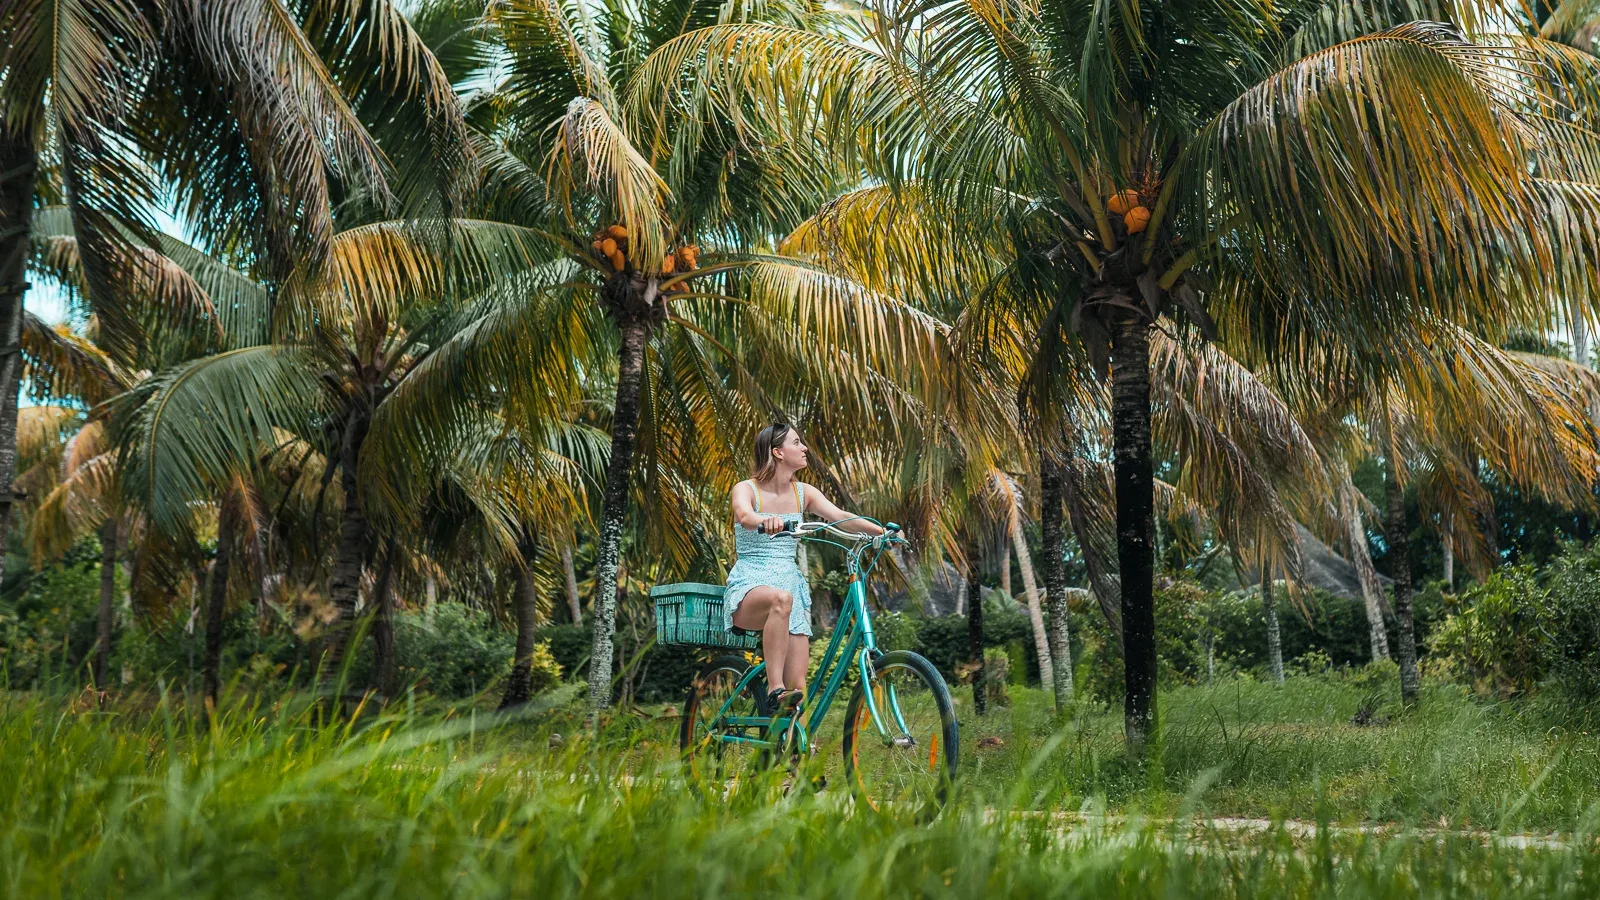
(901, 737)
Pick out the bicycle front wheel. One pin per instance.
(907, 758)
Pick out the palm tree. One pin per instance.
(258, 119)
(1219, 166)
(376, 355)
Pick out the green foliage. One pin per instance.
(1574, 630)
(544, 672)
(1517, 630)
(1499, 642)
(167, 651)
(661, 675)
(896, 631)
(455, 653)
(47, 623)
(943, 639)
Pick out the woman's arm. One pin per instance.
(821, 506)
(744, 510)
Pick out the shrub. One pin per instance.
(47, 622)
(454, 653)
(1499, 642)
(155, 650)
(544, 671)
(1573, 604)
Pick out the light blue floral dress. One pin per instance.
(766, 561)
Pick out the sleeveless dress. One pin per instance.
(769, 562)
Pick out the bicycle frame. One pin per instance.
(852, 640)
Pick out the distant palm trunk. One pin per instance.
(1399, 539)
(1274, 636)
(570, 572)
(975, 630)
(519, 686)
(1135, 499)
(1005, 566)
(19, 167)
(1371, 588)
(614, 507)
(1055, 580)
(1449, 546)
(217, 597)
(385, 668)
(1041, 642)
(108, 590)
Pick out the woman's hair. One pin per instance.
(769, 439)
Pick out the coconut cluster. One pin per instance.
(611, 245)
(1127, 204)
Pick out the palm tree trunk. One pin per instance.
(1397, 535)
(1447, 543)
(108, 590)
(1274, 636)
(1005, 567)
(385, 668)
(1055, 580)
(614, 508)
(519, 686)
(344, 585)
(1101, 579)
(570, 572)
(217, 599)
(975, 631)
(1030, 587)
(19, 166)
(1135, 498)
(1371, 588)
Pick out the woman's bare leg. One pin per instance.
(766, 609)
(797, 661)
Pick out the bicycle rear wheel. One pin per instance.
(913, 766)
(715, 696)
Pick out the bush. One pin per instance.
(47, 623)
(164, 650)
(454, 653)
(544, 672)
(1513, 632)
(1499, 642)
(1574, 622)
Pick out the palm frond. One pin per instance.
(184, 432)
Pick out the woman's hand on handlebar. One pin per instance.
(771, 525)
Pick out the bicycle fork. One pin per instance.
(868, 682)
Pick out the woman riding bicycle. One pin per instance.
(766, 590)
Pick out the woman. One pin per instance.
(766, 590)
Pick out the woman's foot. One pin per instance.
(781, 698)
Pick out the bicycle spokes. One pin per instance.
(900, 756)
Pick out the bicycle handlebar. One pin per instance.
(891, 533)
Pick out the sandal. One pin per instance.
(779, 699)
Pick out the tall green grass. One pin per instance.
(147, 798)
(1267, 751)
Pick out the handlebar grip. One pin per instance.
(761, 528)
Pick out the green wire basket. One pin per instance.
(690, 615)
